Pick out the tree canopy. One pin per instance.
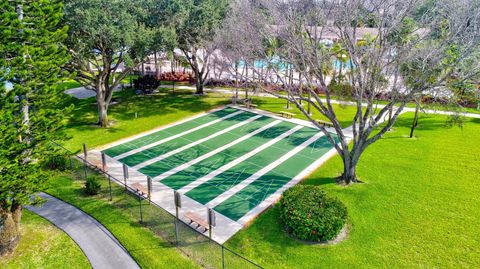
(32, 55)
(196, 32)
(396, 60)
(107, 40)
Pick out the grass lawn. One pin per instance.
(345, 114)
(419, 206)
(43, 245)
(152, 111)
(71, 83)
(121, 218)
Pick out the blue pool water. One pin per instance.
(261, 64)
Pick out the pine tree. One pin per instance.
(32, 55)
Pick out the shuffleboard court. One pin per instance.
(232, 160)
(252, 195)
(151, 154)
(232, 177)
(166, 133)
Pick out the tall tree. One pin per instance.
(446, 36)
(196, 33)
(161, 16)
(234, 55)
(107, 39)
(31, 58)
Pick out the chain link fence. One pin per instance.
(187, 239)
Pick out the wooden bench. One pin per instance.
(325, 123)
(98, 164)
(199, 221)
(287, 115)
(140, 189)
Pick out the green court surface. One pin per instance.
(243, 171)
(156, 151)
(199, 150)
(162, 134)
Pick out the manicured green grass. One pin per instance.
(345, 114)
(156, 110)
(418, 207)
(472, 110)
(121, 218)
(152, 111)
(43, 245)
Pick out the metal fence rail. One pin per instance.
(187, 239)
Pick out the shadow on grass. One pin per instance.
(84, 115)
(275, 105)
(320, 181)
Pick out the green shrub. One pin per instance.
(59, 162)
(92, 185)
(309, 214)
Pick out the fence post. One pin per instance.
(149, 185)
(110, 186)
(125, 175)
(178, 204)
(223, 257)
(104, 162)
(85, 168)
(211, 221)
(141, 212)
(85, 151)
(85, 160)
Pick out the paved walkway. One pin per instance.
(99, 245)
(83, 93)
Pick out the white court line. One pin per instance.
(168, 154)
(175, 136)
(223, 197)
(275, 196)
(210, 154)
(158, 129)
(226, 167)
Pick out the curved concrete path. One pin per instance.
(101, 248)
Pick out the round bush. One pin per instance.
(92, 185)
(309, 214)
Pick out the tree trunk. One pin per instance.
(236, 83)
(349, 175)
(9, 230)
(102, 113)
(199, 80)
(102, 104)
(415, 120)
(157, 73)
(300, 88)
(308, 103)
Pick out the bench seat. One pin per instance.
(325, 123)
(140, 189)
(194, 218)
(287, 115)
